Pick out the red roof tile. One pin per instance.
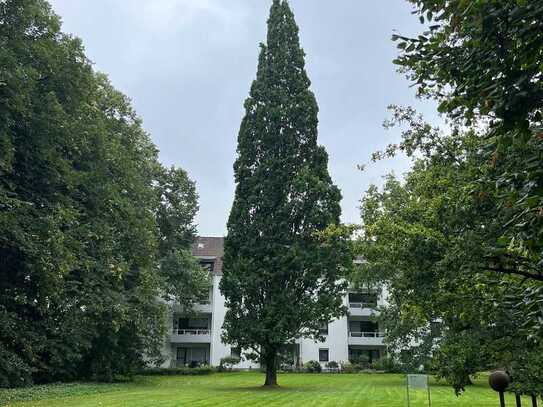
(210, 247)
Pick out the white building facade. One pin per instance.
(196, 339)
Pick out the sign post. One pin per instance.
(418, 381)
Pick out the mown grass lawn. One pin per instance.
(244, 389)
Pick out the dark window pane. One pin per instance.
(323, 330)
(208, 265)
(368, 299)
(323, 355)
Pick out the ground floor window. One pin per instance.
(323, 355)
(235, 352)
(364, 355)
(192, 356)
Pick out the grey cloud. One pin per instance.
(188, 64)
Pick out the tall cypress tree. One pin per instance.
(284, 253)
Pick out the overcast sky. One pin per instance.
(187, 65)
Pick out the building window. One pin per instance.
(208, 265)
(323, 330)
(364, 355)
(235, 352)
(193, 323)
(323, 355)
(192, 356)
(366, 327)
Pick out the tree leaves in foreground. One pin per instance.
(428, 238)
(469, 225)
(87, 213)
(285, 252)
(482, 61)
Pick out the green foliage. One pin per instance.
(56, 391)
(184, 281)
(482, 62)
(478, 58)
(285, 251)
(474, 203)
(428, 239)
(312, 366)
(332, 365)
(387, 364)
(177, 371)
(87, 213)
(348, 367)
(228, 363)
(361, 362)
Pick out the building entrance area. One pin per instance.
(362, 354)
(192, 355)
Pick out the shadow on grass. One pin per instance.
(266, 389)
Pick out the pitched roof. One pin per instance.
(210, 247)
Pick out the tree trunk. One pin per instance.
(271, 370)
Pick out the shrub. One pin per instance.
(387, 364)
(227, 363)
(349, 367)
(363, 361)
(286, 361)
(177, 371)
(332, 365)
(313, 366)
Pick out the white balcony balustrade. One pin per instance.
(192, 331)
(367, 334)
(363, 304)
(363, 309)
(191, 336)
(366, 338)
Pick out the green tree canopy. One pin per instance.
(482, 61)
(428, 239)
(87, 213)
(481, 215)
(282, 262)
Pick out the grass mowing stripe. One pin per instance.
(245, 389)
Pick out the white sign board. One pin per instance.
(417, 381)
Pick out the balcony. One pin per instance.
(191, 336)
(363, 304)
(363, 309)
(203, 306)
(366, 338)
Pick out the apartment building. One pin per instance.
(196, 339)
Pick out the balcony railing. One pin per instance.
(192, 331)
(363, 304)
(367, 334)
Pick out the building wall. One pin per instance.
(219, 349)
(337, 341)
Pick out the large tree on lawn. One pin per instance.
(285, 252)
(93, 229)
